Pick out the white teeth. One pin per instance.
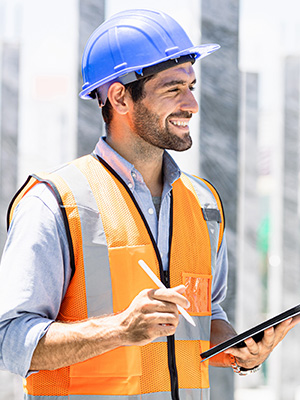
(180, 123)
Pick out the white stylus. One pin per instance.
(155, 279)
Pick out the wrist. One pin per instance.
(240, 370)
(104, 333)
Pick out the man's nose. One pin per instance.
(190, 103)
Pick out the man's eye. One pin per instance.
(174, 90)
(192, 88)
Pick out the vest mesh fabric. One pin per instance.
(196, 250)
(189, 253)
(122, 213)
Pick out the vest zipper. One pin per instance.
(171, 339)
(164, 276)
(172, 367)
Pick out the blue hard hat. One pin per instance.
(130, 45)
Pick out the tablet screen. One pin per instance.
(257, 333)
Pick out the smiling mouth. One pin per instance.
(180, 123)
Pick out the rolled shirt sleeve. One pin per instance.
(34, 276)
(219, 284)
(35, 269)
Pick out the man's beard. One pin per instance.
(147, 126)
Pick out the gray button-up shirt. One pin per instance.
(35, 267)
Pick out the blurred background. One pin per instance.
(246, 141)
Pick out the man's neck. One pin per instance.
(147, 159)
(152, 175)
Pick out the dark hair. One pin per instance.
(136, 91)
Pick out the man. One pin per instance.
(79, 318)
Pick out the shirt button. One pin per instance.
(151, 211)
(130, 185)
(134, 175)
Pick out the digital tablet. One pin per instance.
(257, 333)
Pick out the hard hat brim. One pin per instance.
(198, 52)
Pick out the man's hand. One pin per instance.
(153, 313)
(256, 353)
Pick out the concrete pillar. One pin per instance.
(290, 214)
(90, 125)
(219, 138)
(37, 103)
(10, 60)
(249, 310)
(10, 384)
(248, 272)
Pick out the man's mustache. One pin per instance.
(182, 114)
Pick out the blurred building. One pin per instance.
(250, 305)
(268, 266)
(10, 37)
(219, 136)
(43, 124)
(290, 220)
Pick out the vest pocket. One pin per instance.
(198, 292)
(120, 362)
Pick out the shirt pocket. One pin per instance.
(198, 292)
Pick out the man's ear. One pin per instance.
(118, 97)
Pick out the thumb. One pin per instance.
(180, 289)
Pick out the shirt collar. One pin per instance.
(127, 171)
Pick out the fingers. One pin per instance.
(151, 314)
(295, 320)
(256, 353)
(289, 323)
(273, 336)
(252, 347)
(174, 295)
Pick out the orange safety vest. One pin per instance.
(108, 234)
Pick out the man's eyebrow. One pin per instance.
(176, 82)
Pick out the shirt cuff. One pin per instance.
(20, 340)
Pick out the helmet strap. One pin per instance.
(101, 92)
(154, 69)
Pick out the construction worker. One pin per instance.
(80, 318)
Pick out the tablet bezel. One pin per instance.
(255, 332)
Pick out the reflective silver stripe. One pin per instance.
(207, 200)
(194, 394)
(184, 394)
(185, 331)
(98, 284)
(95, 252)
